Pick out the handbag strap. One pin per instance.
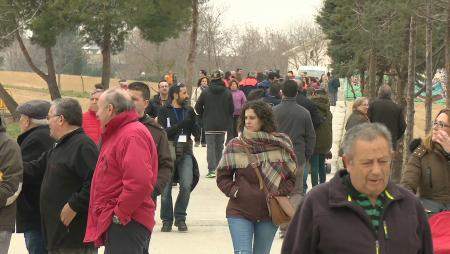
(253, 164)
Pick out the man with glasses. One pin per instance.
(91, 125)
(66, 172)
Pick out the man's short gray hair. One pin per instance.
(39, 122)
(366, 132)
(385, 91)
(120, 100)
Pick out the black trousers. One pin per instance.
(130, 239)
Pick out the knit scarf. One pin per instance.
(273, 153)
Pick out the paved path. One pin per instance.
(208, 229)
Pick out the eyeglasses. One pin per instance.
(441, 125)
(50, 117)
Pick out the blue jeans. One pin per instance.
(34, 241)
(184, 166)
(251, 237)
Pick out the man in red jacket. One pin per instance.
(121, 211)
(91, 125)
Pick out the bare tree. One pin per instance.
(429, 66)
(410, 95)
(190, 61)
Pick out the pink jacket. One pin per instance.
(91, 126)
(124, 177)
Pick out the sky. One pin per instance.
(274, 14)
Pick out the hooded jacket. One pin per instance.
(124, 177)
(32, 143)
(216, 108)
(328, 221)
(324, 133)
(66, 173)
(11, 170)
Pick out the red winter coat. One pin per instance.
(124, 177)
(91, 126)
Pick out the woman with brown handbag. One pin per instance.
(259, 148)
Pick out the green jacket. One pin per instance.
(324, 133)
(11, 173)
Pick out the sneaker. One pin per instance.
(281, 234)
(182, 227)
(167, 226)
(211, 174)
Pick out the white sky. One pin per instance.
(274, 14)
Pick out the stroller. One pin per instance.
(439, 220)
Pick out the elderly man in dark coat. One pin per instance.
(34, 140)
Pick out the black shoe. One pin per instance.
(203, 145)
(167, 226)
(181, 226)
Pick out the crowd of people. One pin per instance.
(264, 136)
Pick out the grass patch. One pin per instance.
(13, 129)
(75, 94)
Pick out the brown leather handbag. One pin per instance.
(280, 208)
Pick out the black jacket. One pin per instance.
(188, 127)
(67, 171)
(215, 106)
(311, 107)
(165, 163)
(387, 112)
(33, 143)
(154, 106)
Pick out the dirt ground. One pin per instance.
(419, 117)
(68, 82)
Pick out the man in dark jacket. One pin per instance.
(215, 106)
(384, 110)
(66, 173)
(295, 121)
(360, 210)
(159, 99)
(34, 140)
(333, 88)
(303, 101)
(178, 119)
(140, 94)
(11, 170)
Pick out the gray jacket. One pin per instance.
(295, 121)
(11, 170)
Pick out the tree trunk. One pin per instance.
(362, 81)
(49, 78)
(349, 81)
(190, 62)
(429, 68)
(51, 82)
(10, 103)
(447, 56)
(106, 57)
(410, 91)
(372, 75)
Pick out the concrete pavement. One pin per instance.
(208, 229)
